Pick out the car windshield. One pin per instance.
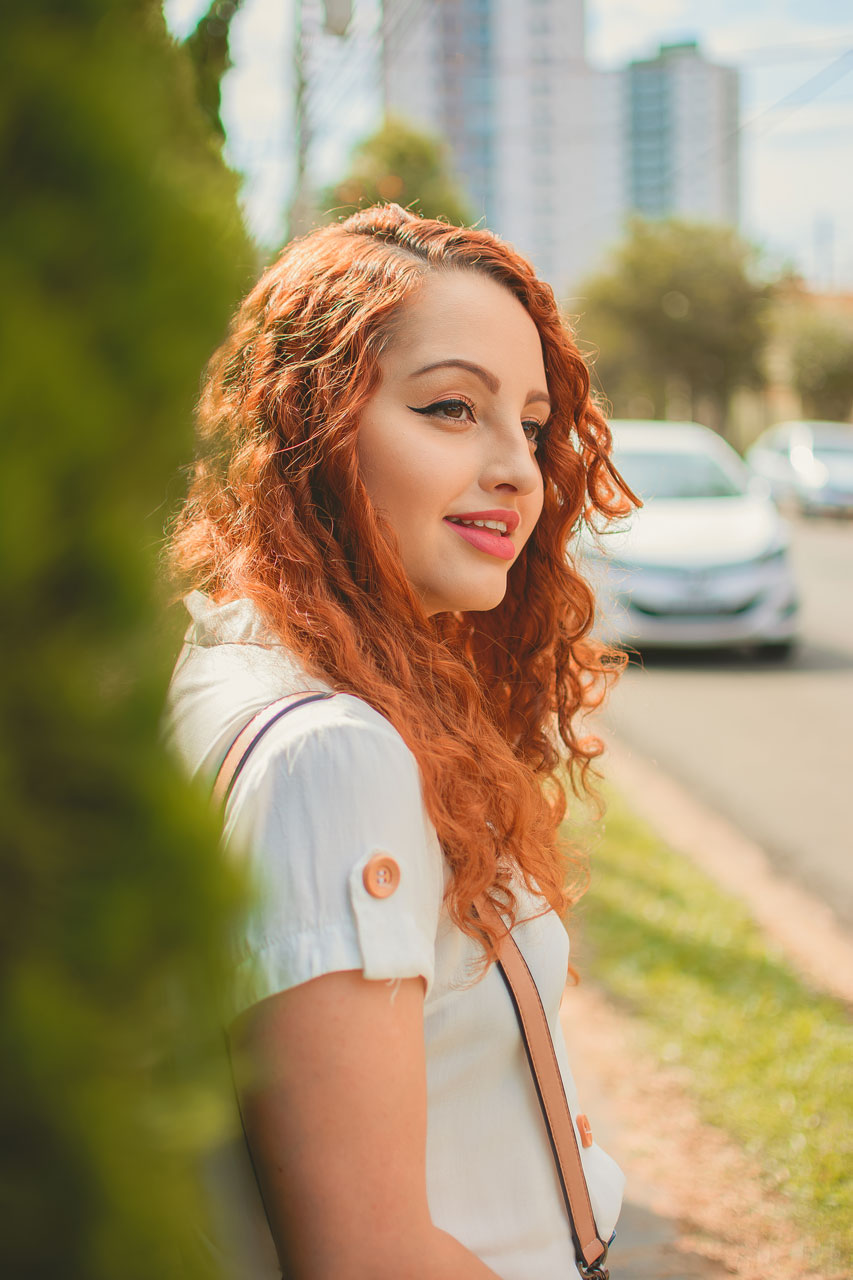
(834, 453)
(657, 474)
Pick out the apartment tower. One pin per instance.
(535, 134)
(682, 136)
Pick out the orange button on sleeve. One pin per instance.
(381, 875)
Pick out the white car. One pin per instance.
(808, 464)
(705, 562)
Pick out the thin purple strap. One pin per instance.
(249, 737)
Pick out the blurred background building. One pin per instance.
(535, 132)
(552, 152)
(681, 122)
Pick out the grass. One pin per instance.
(770, 1059)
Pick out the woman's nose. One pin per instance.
(512, 464)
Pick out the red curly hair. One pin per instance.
(276, 512)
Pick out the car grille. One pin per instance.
(698, 612)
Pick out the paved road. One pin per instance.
(767, 744)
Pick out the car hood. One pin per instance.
(694, 532)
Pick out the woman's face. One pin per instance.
(449, 438)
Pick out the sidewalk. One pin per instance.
(807, 930)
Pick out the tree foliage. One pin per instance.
(209, 51)
(121, 256)
(682, 306)
(822, 363)
(402, 164)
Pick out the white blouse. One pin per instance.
(330, 785)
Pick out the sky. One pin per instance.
(796, 64)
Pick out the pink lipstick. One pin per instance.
(493, 541)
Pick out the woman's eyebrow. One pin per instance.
(493, 383)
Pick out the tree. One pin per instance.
(822, 364)
(679, 315)
(401, 164)
(121, 256)
(211, 57)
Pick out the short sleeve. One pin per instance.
(331, 790)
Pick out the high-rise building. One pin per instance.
(682, 139)
(551, 152)
(535, 134)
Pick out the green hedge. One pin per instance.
(121, 256)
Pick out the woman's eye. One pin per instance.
(456, 410)
(533, 430)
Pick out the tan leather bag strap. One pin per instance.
(249, 737)
(590, 1249)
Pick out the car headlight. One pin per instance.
(774, 555)
(810, 470)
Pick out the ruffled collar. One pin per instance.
(233, 622)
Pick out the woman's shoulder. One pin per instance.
(328, 793)
(337, 751)
(231, 668)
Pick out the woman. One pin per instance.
(398, 445)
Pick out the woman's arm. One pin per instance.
(331, 1077)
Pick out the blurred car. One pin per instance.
(706, 560)
(807, 464)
